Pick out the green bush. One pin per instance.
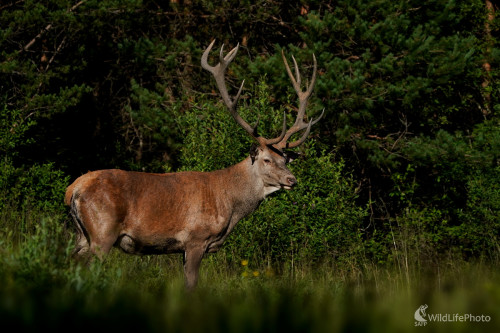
(38, 187)
(478, 234)
(448, 198)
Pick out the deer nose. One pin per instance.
(292, 181)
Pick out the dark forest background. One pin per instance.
(402, 169)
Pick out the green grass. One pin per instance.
(42, 288)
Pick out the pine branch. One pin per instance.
(49, 26)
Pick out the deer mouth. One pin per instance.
(290, 183)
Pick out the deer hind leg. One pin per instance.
(103, 238)
(82, 244)
(97, 230)
(82, 247)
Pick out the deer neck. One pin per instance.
(246, 186)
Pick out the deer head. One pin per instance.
(268, 156)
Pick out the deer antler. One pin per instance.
(218, 71)
(299, 124)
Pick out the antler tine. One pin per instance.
(221, 54)
(230, 56)
(282, 135)
(302, 138)
(304, 95)
(204, 58)
(306, 133)
(317, 119)
(289, 71)
(297, 72)
(313, 79)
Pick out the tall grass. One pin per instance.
(42, 288)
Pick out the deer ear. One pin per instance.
(254, 150)
(291, 155)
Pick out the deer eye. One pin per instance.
(267, 161)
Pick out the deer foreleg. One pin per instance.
(192, 260)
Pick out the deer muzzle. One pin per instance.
(291, 182)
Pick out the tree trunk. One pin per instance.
(486, 65)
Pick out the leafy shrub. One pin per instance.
(448, 197)
(38, 186)
(478, 235)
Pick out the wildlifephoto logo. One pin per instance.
(422, 318)
(420, 315)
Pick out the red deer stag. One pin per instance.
(185, 212)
